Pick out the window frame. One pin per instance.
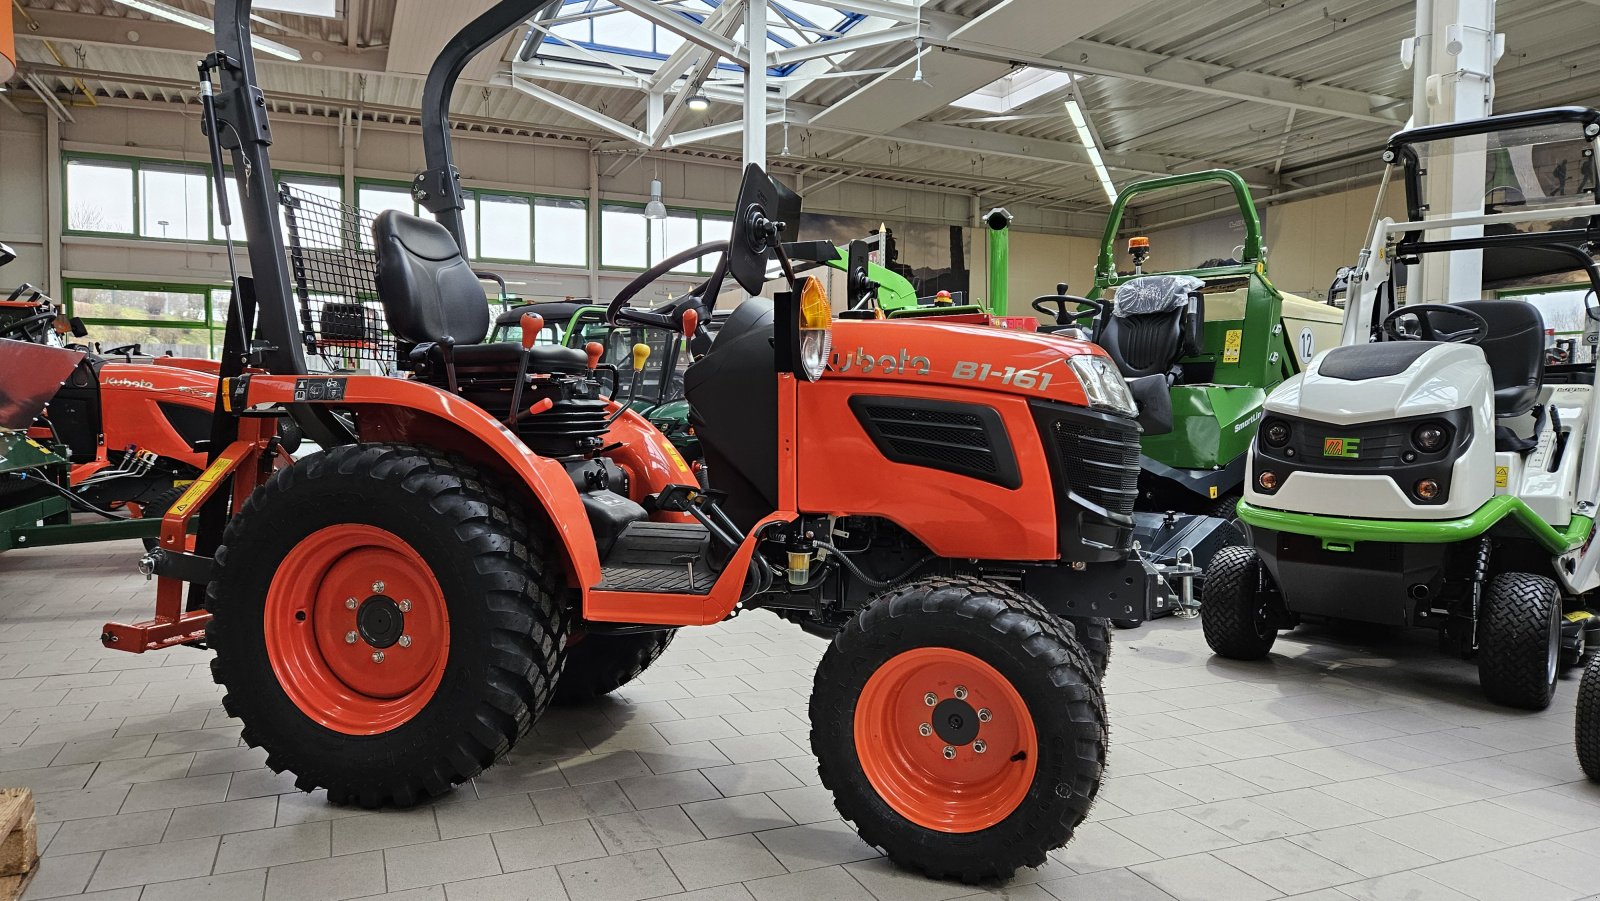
(214, 330)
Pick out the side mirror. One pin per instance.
(861, 293)
(79, 330)
(767, 214)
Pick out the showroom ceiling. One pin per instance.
(1296, 94)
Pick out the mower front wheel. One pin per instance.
(961, 728)
(1588, 725)
(386, 622)
(1519, 640)
(1237, 621)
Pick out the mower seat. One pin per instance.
(1155, 321)
(434, 301)
(1514, 349)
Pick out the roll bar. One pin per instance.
(1106, 267)
(1558, 115)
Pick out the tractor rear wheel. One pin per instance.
(1588, 726)
(598, 665)
(386, 623)
(1237, 621)
(961, 728)
(1519, 640)
(155, 508)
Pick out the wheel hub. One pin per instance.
(955, 722)
(380, 622)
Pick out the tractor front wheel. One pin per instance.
(1519, 640)
(385, 621)
(1094, 633)
(961, 727)
(1238, 622)
(1588, 726)
(598, 665)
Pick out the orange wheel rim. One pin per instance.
(946, 740)
(357, 630)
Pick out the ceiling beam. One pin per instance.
(682, 26)
(850, 43)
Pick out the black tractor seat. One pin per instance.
(435, 304)
(1155, 321)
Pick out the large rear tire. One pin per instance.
(1588, 725)
(386, 623)
(598, 665)
(1094, 633)
(1004, 763)
(1236, 620)
(1519, 640)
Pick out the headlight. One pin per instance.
(1275, 433)
(1102, 384)
(1430, 437)
(816, 329)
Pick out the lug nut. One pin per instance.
(405, 606)
(349, 603)
(377, 656)
(377, 587)
(978, 747)
(930, 699)
(949, 753)
(984, 715)
(961, 692)
(924, 730)
(349, 638)
(405, 641)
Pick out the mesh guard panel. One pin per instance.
(333, 263)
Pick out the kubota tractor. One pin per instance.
(392, 613)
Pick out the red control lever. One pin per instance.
(532, 325)
(691, 322)
(595, 350)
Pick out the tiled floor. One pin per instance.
(1352, 765)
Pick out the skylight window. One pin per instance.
(1014, 89)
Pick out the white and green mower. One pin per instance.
(1435, 469)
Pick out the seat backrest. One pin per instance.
(1155, 321)
(428, 290)
(1514, 349)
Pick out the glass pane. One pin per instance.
(374, 199)
(507, 227)
(237, 229)
(624, 30)
(173, 203)
(679, 231)
(1544, 167)
(139, 303)
(560, 232)
(155, 341)
(713, 228)
(623, 237)
(220, 298)
(99, 196)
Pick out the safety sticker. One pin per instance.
(1213, 492)
(198, 487)
(1230, 345)
(1502, 475)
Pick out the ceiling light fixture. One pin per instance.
(1081, 123)
(699, 103)
(184, 17)
(655, 209)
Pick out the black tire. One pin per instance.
(1094, 633)
(1588, 724)
(598, 665)
(1127, 623)
(1225, 507)
(1236, 622)
(1031, 650)
(157, 507)
(497, 583)
(1519, 640)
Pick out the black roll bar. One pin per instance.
(438, 186)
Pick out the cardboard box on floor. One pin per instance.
(19, 842)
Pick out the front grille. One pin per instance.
(1100, 464)
(966, 439)
(956, 439)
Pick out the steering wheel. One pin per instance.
(1087, 307)
(28, 324)
(619, 312)
(1423, 313)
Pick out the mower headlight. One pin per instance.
(1102, 384)
(1275, 433)
(1430, 437)
(816, 329)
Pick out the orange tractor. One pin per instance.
(392, 613)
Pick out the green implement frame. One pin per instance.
(44, 518)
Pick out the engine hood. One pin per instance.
(1027, 364)
(1446, 377)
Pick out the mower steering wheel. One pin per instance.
(619, 312)
(1423, 313)
(1087, 307)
